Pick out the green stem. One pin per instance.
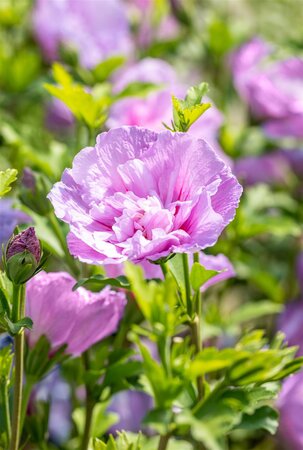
(6, 412)
(89, 406)
(18, 306)
(62, 239)
(27, 390)
(164, 269)
(163, 442)
(187, 282)
(197, 340)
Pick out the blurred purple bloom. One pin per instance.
(291, 324)
(142, 195)
(290, 404)
(131, 406)
(78, 319)
(55, 390)
(58, 116)
(152, 111)
(271, 168)
(273, 89)
(9, 219)
(294, 158)
(221, 264)
(150, 27)
(299, 267)
(96, 29)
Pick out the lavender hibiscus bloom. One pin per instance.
(78, 319)
(141, 195)
(9, 219)
(96, 30)
(152, 111)
(271, 168)
(136, 401)
(290, 404)
(273, 89)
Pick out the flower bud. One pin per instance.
(23, 256)
(33, 191)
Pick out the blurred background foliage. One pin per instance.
(265, 239)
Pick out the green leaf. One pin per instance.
(4, 304)
(187, 111)
(264, 418)
(199, 275)
(137, 89)
(184, 116)
(61, 76)
(96, 283)
(254, 310)
(104, 69)
(15, 327)
(175, 265)
(195, 94)
(7, 177)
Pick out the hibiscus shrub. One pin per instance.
(150, 225)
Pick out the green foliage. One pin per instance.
(41, 358)
(123, 442)
(199, 276)
(7, 177)
(89, 107)
(157, 301)
(187, 111)
(104, 69)
(102, 420)
(96, 283)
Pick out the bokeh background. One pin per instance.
(130, 56)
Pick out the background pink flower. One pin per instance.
(272, 89)
(142, 195)
(96, 30)
(78, 319)
(156, 108)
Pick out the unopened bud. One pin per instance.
(23, 256)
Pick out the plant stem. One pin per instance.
(163, 442)
(164, 269)
(6, 413)
(61, 238)
(187, 282)
(89, 407)
(26, 396)
(18, 307)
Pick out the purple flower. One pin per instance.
(78, 319)
(273, 89)
(58, 117)
(271, 168)
(96, 30)
(221, 264)
(291, 323)
(149, 25)
(152, 111)
(290, 404)
(55, 390)
(299, 267)
(9, 219)
(131, 406)
(142, 195)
